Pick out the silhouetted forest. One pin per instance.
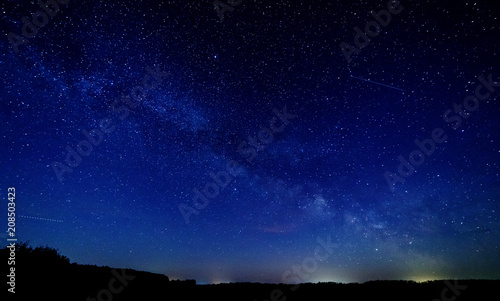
(44, 274)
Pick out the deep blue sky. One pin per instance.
(320, 175)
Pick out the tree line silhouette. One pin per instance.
(44, 274)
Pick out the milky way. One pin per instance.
(244, 142)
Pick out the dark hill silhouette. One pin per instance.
(44, 274)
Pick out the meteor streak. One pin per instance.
(41, 218)
(378, 83)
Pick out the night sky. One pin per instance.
(263, 142)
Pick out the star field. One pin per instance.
(155, 135)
